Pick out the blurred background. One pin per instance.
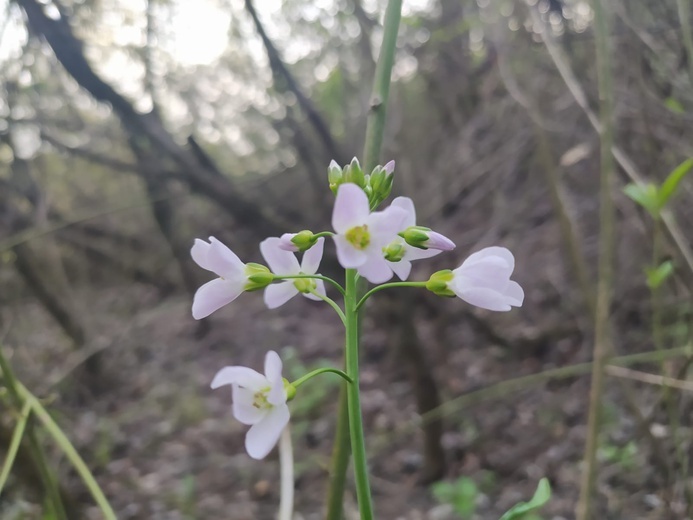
(129, 128)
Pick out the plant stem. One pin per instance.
(286, 468)
(14, 445)
(69, 450)
(387, 286)
(358, 445)
(341, 450)
(331, 303)
(381, 86)
(602, 348)
(311, 277)
(374, 138)
(314, 373)
(47, 477)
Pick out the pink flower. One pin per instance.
(258, 401)
(483, 280)
(361, 235)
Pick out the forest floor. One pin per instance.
(164, 446)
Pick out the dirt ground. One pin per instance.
(163, 445)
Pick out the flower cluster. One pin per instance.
(377, 244)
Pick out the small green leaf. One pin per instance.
(657, 276)
(540, 498)
(646, 195)
(671, 184)
(674, 105)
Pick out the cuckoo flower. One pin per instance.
(361, 235)
(216, 257)
(483, 280)
(400, 254)
(283, 263)
(259, 401)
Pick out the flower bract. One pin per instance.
(483, 280)
(259, 401)
(285, 263)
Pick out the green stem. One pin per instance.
(341, 450)
(358, 445)
(387, 286)
(602, 339)
(314, 373)
(311, 277)
(37, 453)
(381, 86)
(374, 138)
(14, 445)
(331, 303)
(323, 234)
(69, 450)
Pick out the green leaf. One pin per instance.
(657, 276)
(674, 105)
(646, 195)
(540, 498)
(671, 184)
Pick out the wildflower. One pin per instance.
(483, 280)
(295, 242)
(234, 276)
(284, 263)
(259, 402)
(401, 252)
(361, 235)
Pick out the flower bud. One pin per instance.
(380, 182)
(297, 242)
(335, 176)
(258, 276)
(394, 252)
(354, 173)
(438, 283)
(423, 238)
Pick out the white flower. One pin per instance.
(283, 263)
(483, 280)
(258, 401)
(361, 235)
(216, 257)
(402, 253)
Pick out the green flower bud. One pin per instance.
(394, 252)
(438, 283)
(258, 275)
(335, 176)
(354, 173)
(304, 240)
(416, 236)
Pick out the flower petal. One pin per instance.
(199, 252)
(263, 435)
(244, 409)
(319, 288)
(349, 257)
(443, 243)
(491, 272)
(376, 269)
(493, 251)
(384, 225)
(414, 253)
(279, 260)
(350, 209)
(214, 295)
(311, 258)
(407, 205)
(223, 261)
(241, 376)
(273, 373)
(277, 294)
(401, 268)
(484, 298)
(514, 294)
